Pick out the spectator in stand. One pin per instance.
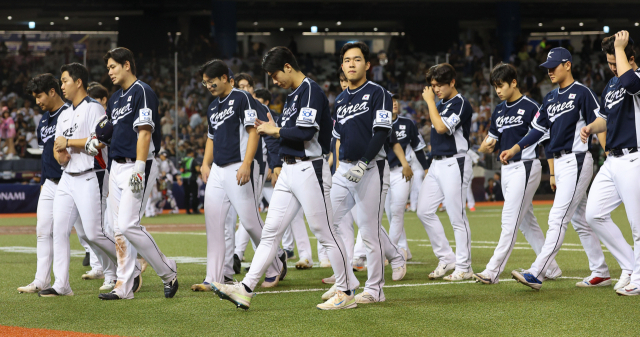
(189, 169)
(8, 133)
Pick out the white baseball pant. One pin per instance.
(305, 184)
(396, 204)
(93, 259)
(616, 183)
(416, 183)
(471, 201)
(131, 237)
(298, 231)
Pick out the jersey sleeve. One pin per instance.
(591, 107)
(603, 103)
(631, 82)
(248, 110)
(452, 114)
(493, 128)
(540, 120)
(210, 130)
(145, 107)
(312, 104)
(382, 104)
(94, 117)
(417, 143)
(336, 130)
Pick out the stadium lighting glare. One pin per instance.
(562, 28)
(326, 29)
(581, 24)
(539, 24)
(375, 29)
(402, 33)
(66, 18)
(637, 24)
(117, 18)
(300, 23)
(314, 29)
(51, 23)
(338, 23)
(10, 17)
(255, 23)
(282, 29)
(32, 25)
(605, 29)
(99, 23)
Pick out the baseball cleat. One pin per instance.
(50, 292)
(594, 281)
(204, 286)
(325, 263)
(109, 296)
(339, 301)
(329, 280)
(629, 290)
(527, 279)
(227, 280)
(482, 278)
(365, 298)
(359, 264)
(93, 274)
(552, 274)
(283, 271)
(137, 284)
(290, 254)
(329, 293)
(304, 264)
(472, 209)
(171, 288)
(399, 273)
(441, 270)
(108, 285)
(237, 264)
(31, 288)
(270, 282)
(459, 275)
(624, 281)
(87, 259)
(235, 293)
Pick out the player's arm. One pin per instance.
(539, 128)
(599, 126)
(436, 120)
(144, 108)
(62, 157)
(248, 117)
(552, 177)
(488, 145)
(493, 136)
(337, 153)
(407, 173)
(622, 64)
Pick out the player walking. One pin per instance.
(510, 121)
(133, 111)
(305, 181)
(564, 112)
(617, 181)
(449, 175)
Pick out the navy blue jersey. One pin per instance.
(228, 119)
(406, 133)
(456, 116)
(46, 132)
(621, 107)
(307, 106)
(358, 112)
(273, 144)
(511, 122)
(563, 113)
(136, 106)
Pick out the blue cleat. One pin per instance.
(527, 279)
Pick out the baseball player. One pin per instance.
(617, 182)
(564, 112)
(449, 175)
(133, 113)
(510, 121)
(304, 181)
(79, 191)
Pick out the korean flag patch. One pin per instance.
(520, 111)
(250, 116)
(365, 97)
(572, 96)
(129, 99)
(145, 115)
(403, 127)
(383, 117)
(307, 115)
(230, 102)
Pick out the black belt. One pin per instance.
(442, 157)
(55, 181)
(620, 152)
(121, 160)
(561, 153)
(292, 160)
(75, 174)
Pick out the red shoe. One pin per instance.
(472, 209)
(594, 281)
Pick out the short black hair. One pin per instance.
(342, 76)
(264, 94)
(121, 55)
(442, 73)
(360, 45)
(215, 69)
(43, 83)
(190, 150)
(503, 73)
(77, 72)
(243, 76)
(608, 47)
(97, 91)
(276, 58)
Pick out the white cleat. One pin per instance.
(31, 288)
(234, 293)
(624, 281)
(552, 274)
(359, 264)
(629, 290)
(330, 293)
(304, 264)
(93, 274)
(594, 281)
(325, 263)
(329, 280)
(441, 270)
(365, 298)
(339, 301)
(459, 275)
(107, 286)
(399, 273)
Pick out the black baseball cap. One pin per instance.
(556, 57)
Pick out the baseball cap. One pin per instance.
(557, 56)
(230, 74)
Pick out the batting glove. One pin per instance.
(136, 183)
(90, 145)
(356, 172)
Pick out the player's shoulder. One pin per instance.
(404, 120)
(241, 96)
(142, 89)
(341, 96)
(529, 102)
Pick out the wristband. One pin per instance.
(67, 145)
(551, 175)
(139, 166)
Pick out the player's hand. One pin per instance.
(622, 39)
(60, 144)
(488, 145)
(244, 174)
(269, 128)
(505, 156)
(585, 132)
(136, 182)
(90, 145)
(428, 95)
(204, 171)
(552, 182)
(356, 172)
(275, 175)
(407, 172)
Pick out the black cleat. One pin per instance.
(283, 271)
(171, 288)
(237, 264)
(109, 296)
(228, 280)
(247, 268)
(290, 254)
(137, 284)
(87, 259)
(48, 293)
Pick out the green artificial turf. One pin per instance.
(423, 307)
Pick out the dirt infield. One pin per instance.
(26, 332)
(19, 230)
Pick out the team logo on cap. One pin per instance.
(365, 97)
(572, 96)
(549, 55)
